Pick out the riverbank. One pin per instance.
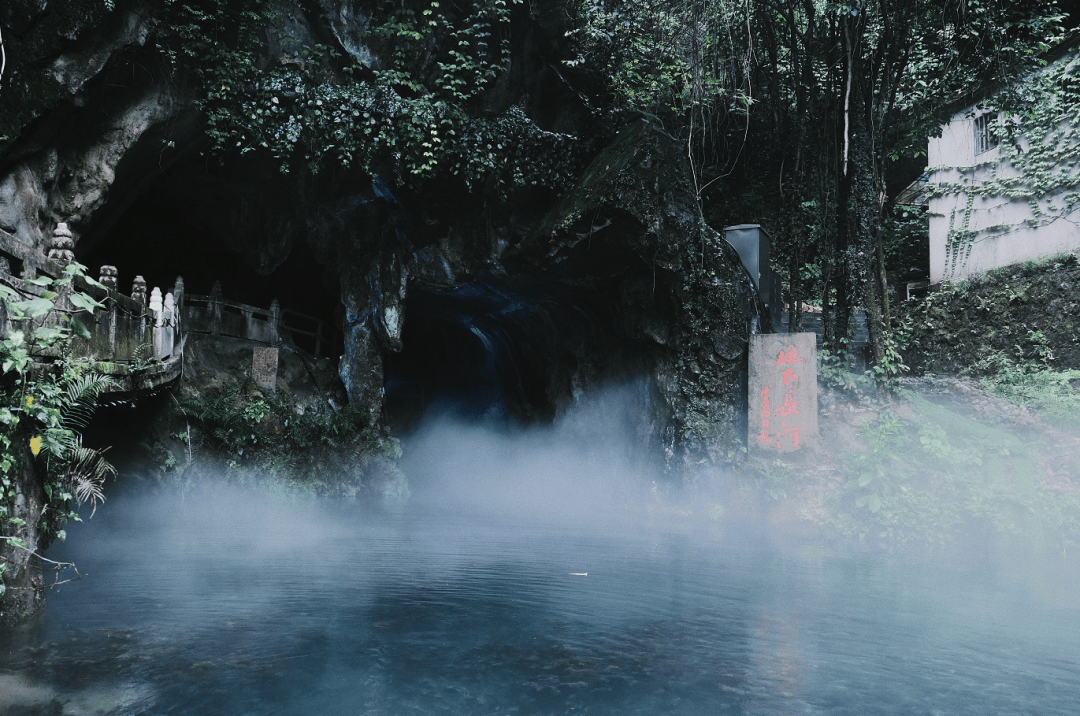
(990, 453)
(943, 461)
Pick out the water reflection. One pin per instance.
(234, 604)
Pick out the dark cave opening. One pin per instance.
(463, 355)
(166, 232)
(507, 354)
(509, 349)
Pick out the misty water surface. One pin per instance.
(526, 576)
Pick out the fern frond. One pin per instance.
(81, 399)
(58, 442)
(86, 472)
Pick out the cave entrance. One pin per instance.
(182, 223)
(464, 355)
(485, 352)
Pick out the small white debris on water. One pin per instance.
(579, 574)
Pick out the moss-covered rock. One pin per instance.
(1018, 315)
(632, 228)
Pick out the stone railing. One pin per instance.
(137, 338)
(132, 328)
(216, 315)
(134, 339)
(128, 329)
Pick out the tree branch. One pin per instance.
(57, 566)
(3, 57)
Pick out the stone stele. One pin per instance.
(264, 368)
(782, 393)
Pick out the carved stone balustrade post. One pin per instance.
(156, 309)
(138, 290)
(168, 332)
(178, 296)
(138, 294)
(215, 308)
(61, 245)
(275, 323)
(107, 276)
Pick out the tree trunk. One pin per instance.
(863, 225)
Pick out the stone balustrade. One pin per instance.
(216, 315)
(135, 343)
(139, 336)
(124, 330)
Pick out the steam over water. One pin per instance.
(526, 575)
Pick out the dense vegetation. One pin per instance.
(414, 114)
(800, 115)
(46, 398)
(241, 434)
(987, 456)
(794, 114)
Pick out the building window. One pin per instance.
(985, 137)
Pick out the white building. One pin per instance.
(974, 225)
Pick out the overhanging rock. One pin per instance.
(632, 230)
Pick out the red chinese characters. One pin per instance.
(792, 356)
(782, 380)
(786, 435)
(790, 406)
(763, 436)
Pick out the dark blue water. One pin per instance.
(231, 604)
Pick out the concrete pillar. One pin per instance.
(215, 308)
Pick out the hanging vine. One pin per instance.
(409, 118)
(1037, 164)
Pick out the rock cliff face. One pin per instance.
(496, 302)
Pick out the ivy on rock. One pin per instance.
(412, 112)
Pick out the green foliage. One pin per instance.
(46, 399)
(264, 441)
(792, 113)
(939, 477)
(888, 369)
(48, 407)
(663, 57)
(836, 372)
(409, 120)
(707, 383)
(906, 239)
(960, 52)
(1053, 393)
(774, 477)
(1015, 328)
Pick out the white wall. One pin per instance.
(951, 158)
